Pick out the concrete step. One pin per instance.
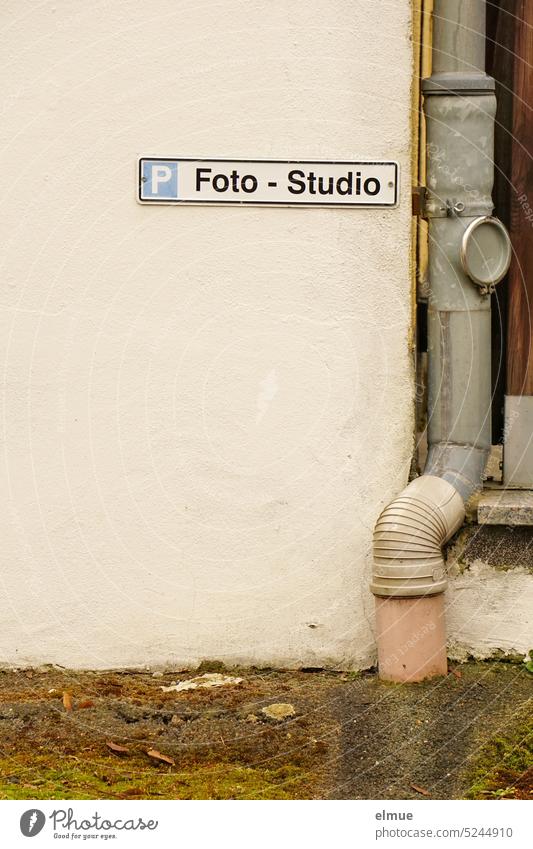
(508, 507)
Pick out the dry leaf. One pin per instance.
(115, 747)
(421, 790)
(153, 753)
(86, 704)
(67, 701)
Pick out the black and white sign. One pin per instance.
(267, 182)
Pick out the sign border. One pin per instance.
(268, 203)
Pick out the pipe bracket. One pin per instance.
(438, 207)
(462, 85)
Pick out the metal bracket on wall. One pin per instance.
(418, 201)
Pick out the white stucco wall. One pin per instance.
(204, 409)
(490, 612)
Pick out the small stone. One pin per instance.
(279, 711)
(157, 674)
(185, 712)
(245, 709)
(138, 733)
(177, 720)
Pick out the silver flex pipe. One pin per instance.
(460, 106)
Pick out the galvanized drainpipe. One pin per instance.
(409, 576)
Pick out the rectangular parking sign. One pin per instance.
(159, 179)
(263, 182)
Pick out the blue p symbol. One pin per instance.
(159, 179)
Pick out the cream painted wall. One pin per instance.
(204, 409)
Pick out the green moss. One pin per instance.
(103, 778)
(505, 766)
(211, 666)
(352, 675)
(506, 657)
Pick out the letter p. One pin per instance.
(160, 174)
(158, 179)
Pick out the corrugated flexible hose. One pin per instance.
(409, 535)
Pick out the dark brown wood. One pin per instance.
(501, 17)
(520, 306)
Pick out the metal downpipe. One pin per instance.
(409, 572)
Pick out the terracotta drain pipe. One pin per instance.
(409, 575)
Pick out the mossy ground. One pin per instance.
(504, 769)
(352, 736)
(98, 779)
(222, 745)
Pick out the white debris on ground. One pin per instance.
(279, 711)
(210, 679)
